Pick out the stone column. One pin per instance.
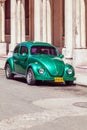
(80, 24)
(83, 25)
(2, 27)
(19, 21)
(49, 21)
(44, 20)
(68, 29)
(78, 29)
(23, 20)
(13, 25)
(2, 22)
(80, 51)
(37, 24)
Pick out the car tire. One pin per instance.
(30, 77)
(69, 83)
(8, 72)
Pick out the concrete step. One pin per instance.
(81, 69)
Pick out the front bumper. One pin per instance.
(55, 79)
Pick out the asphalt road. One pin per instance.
(41, 107)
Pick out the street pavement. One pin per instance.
(43, 106)
(81, 77)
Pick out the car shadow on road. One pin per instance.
(53, 84)
(44, 83)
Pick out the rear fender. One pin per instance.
(11, 63)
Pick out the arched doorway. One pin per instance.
(58, 23)
(28, 24)
(29, 20)
(7, 24)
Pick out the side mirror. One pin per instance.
(61, 56)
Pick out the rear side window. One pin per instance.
(16, 49)
(23, 50)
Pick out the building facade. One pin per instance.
(62, 23)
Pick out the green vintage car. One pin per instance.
(38, 61)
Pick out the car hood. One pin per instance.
(54, 65)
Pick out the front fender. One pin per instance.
(11, 63)
(67, 76)
(35, 67)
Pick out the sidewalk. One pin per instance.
(81, 79)
(2, 71)
(81, 75)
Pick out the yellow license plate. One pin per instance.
(58, 79)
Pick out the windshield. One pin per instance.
(48, 50)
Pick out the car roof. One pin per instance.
(33, 43)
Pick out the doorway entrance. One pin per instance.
(58, 23)
(29, 21)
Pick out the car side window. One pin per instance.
(23, 50)
(16, 49)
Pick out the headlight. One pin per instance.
(69, 71)
(41, 71)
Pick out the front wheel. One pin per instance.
(30, 77)
(8, 72)
(69, 83)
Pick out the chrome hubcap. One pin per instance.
(8, 71)
(29, 77)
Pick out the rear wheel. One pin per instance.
(69, 82)
(30, 77)
(8, 72)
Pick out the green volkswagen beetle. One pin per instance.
(37, 61)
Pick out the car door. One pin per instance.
(23, 59)
(16, 58)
